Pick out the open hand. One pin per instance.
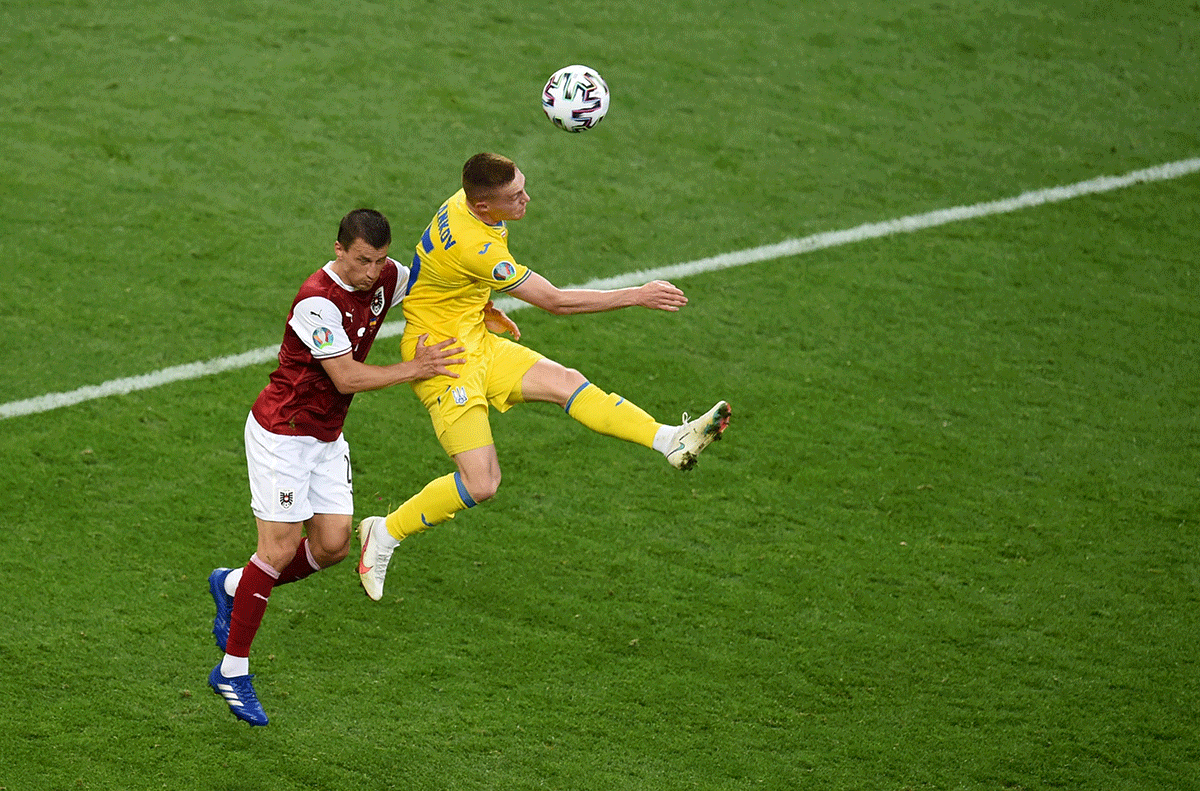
(661, 295)
(433, 360)
(498, 321)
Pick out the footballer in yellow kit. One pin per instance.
(461, 259)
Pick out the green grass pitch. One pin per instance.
(949, 542)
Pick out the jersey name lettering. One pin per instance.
(443, 224)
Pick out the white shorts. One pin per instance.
(292, 478)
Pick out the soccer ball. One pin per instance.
(575, 98)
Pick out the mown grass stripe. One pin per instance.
(785, 249)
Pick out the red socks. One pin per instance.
(254, 591)
(249, 606)
(302, 565)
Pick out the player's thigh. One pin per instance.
(279, 468)
(447, 399)
(510, 366)
(331, 482)
(469, 429)
(549, 381)
(458, 408)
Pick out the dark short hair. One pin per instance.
(366, 224)
(485, 173)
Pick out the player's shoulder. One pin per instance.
(466, 223)
(394, 277)
(453, 212)
(319, 283)
(393, 270)
(457, 203)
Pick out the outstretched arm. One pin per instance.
(351, 376)
(541, 293)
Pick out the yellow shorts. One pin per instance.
(491, 375)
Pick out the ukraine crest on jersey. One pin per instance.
(460, 261)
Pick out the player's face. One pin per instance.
(360, 265)
(509, 201)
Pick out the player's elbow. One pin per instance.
(552, 300)
(346, 374)
(558, 304)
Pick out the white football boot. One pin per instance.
(696, 435)
(376, 554)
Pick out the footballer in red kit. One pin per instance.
(301, 399)
(297, 459)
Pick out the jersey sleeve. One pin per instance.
(402, 283)
(491, 263)
(318, 323)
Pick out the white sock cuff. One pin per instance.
(233, 666)
(232, 579)
(312, 562)
(264, 566)
(663, 439)
(386, 539)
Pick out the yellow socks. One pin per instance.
(611, 415)
(604, 413)
(440, 500)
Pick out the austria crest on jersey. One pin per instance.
(378, 300)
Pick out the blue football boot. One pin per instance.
(224, 602)
(239, 694)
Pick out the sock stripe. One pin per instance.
(308, 555)
(571, 400)
(262, 566)
(462, 492)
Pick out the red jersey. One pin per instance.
(326, 320)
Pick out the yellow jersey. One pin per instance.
(460, 260)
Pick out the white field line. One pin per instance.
(790, 247)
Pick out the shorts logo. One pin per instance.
(286, 498)
(322, 338)
(503, 271)
(460, 395)
(377, 302)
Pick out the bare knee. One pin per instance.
(479, 472)
(569, 384)
(572, 379)
(328, 555)
(482, 486)
(277, 543)
(329, 539)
